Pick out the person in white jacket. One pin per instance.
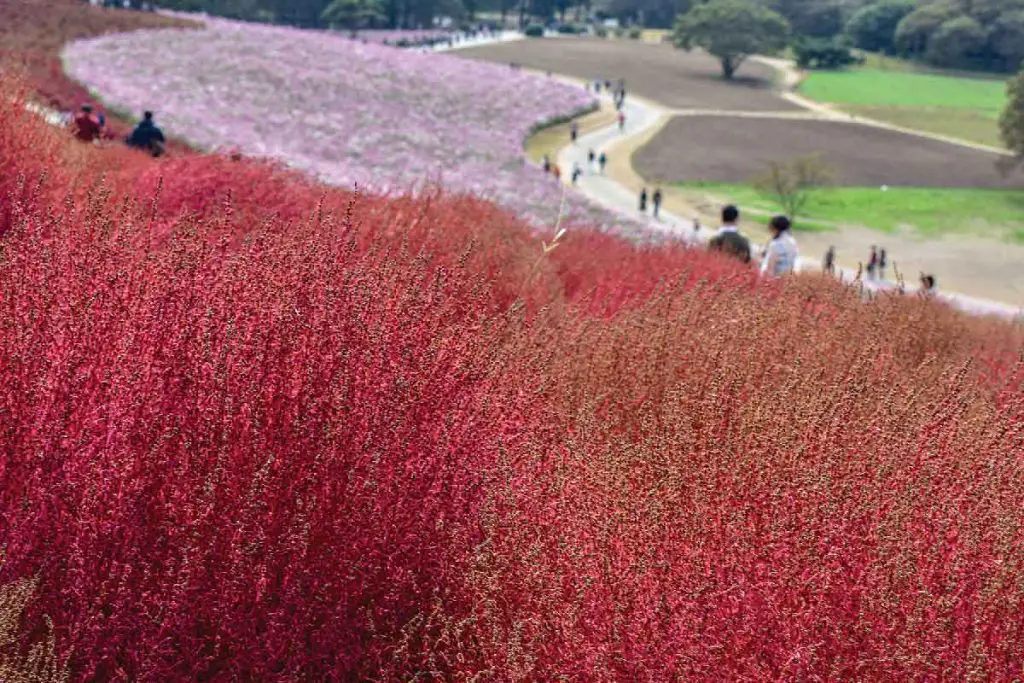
(781, 253)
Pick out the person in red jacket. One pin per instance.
(87, 126)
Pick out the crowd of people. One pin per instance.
(90, 127)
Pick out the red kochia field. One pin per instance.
(256, 429)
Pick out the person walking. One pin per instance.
(643, 200)
(557, 172)
(574, 132)
(829, 266)
(546, 164)
(576, 173)
(591, 159)
(872, 262)
(883, 261)
(602, 161)
(147, 136)
(729, 240)
(781, 253)
(622, 122)
(656, 201)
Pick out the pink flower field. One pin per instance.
(382, 118)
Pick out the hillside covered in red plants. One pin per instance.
(252, 428)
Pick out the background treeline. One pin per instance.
(962, 34)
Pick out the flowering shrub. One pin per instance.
(382, 118)
(253, 429)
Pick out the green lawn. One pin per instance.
(930, 211)
(955, 106)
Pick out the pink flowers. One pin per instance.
(381, 118)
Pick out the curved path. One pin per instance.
(645, 118)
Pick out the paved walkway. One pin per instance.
(641, 118)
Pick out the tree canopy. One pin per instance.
(731, 30)
(1011, 123)
(353, 14)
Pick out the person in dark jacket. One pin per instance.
(656, 201)
(729, 239)
(147, 136)
(643, 200)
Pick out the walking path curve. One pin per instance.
(643, 119)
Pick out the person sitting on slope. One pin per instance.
(86, 126)
(146, 136)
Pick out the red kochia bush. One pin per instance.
(256, 429)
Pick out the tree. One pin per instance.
(874, 27)
(790, 184)
(956, 42)
(1011, 123)
(1007, 40)
(817, 19)
(731, 30)
(353, 14)
(916, 29)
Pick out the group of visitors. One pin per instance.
(656, 198)
(878, 261)
(90, 126)
(778, 257)
(595, 162)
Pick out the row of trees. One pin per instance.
(969, 34)
(411, 14)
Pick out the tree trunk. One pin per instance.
(728, 67)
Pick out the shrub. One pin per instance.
(635, 33)
(534, 31)
(601, 31)
(256, 429)
(814, 53)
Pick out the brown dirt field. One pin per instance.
(729, 150)
(660, 73)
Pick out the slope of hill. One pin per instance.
(253, 428)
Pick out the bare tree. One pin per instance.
(791, 183)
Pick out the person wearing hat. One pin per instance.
(86, 125)
(781, 254)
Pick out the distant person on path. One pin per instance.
(729, 240)
(602, 161)
(781, 254)
(86, 126)
(591, 158)
(872, 262)
(607, 85)
(574, 132)
(622, 122)
(546, 164)
(883, 261)
(656, 201)
(146, 136)
(557, 172)
(576, 173)
(830, 261)
(643, 200)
